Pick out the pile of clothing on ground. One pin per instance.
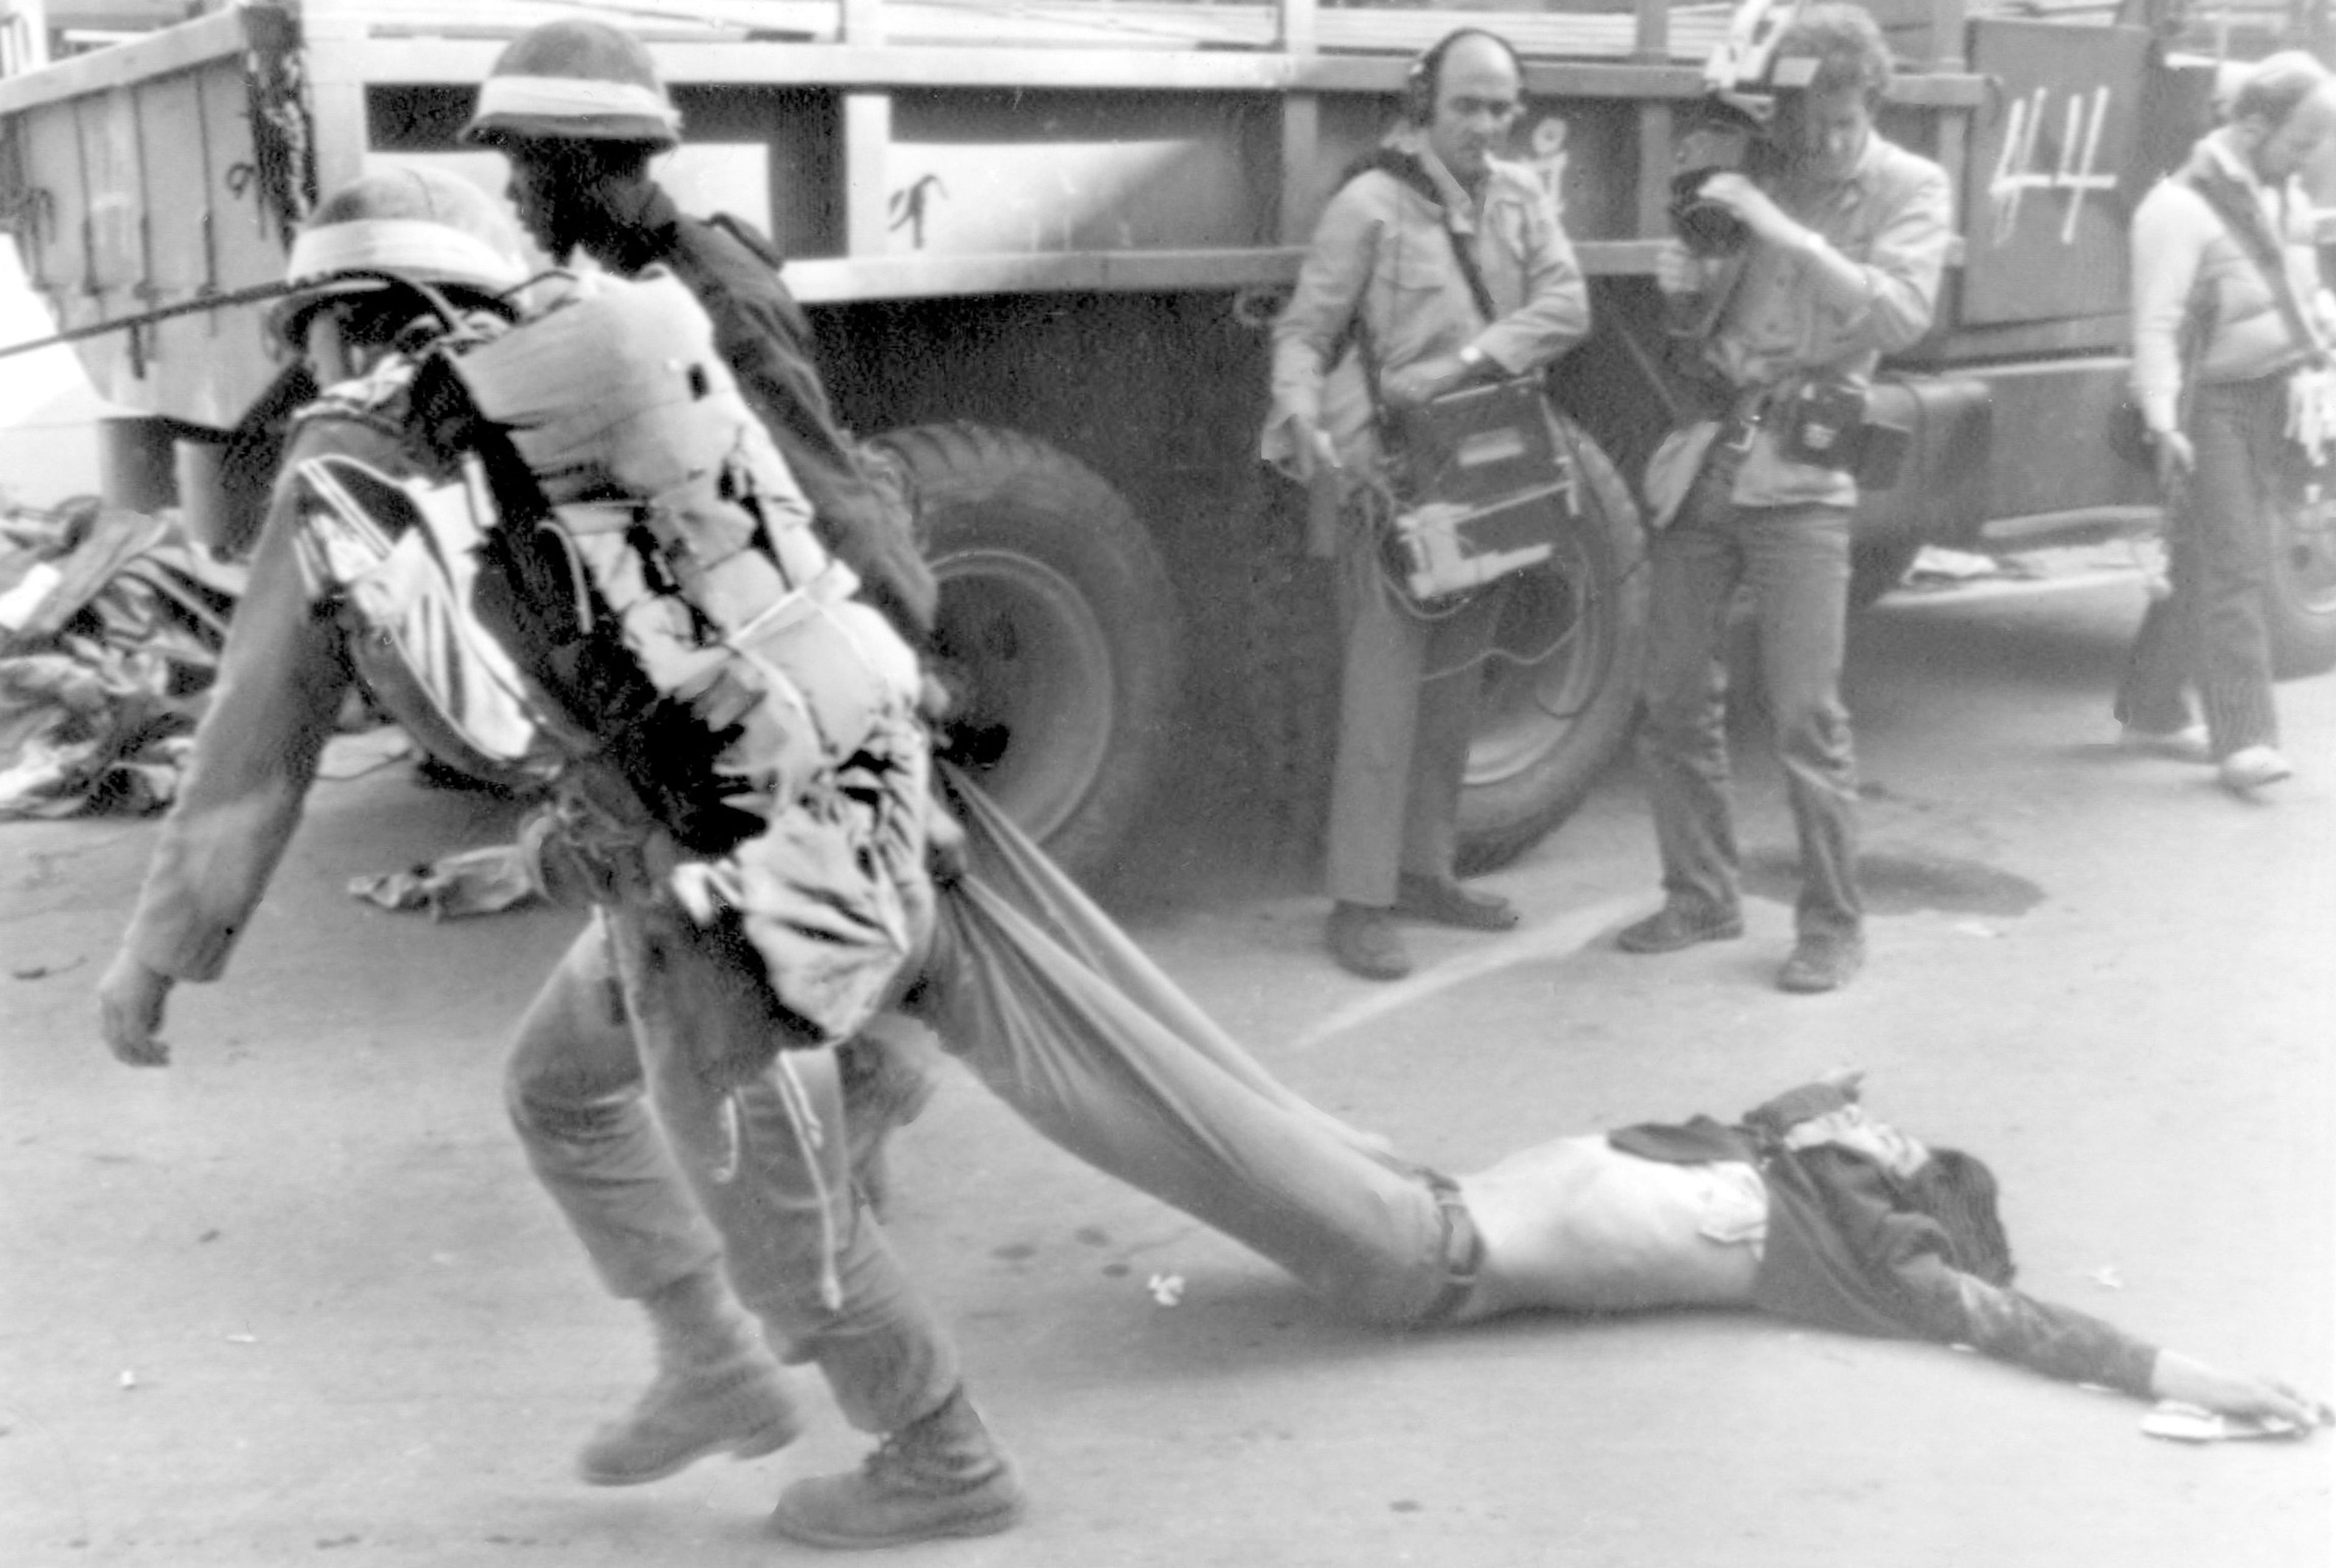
(111, 629)
(111, 626)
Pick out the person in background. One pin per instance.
(578, 111)
(2231, 333)
(1437, 265)
(1844, 240)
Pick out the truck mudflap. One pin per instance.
(1942, 488)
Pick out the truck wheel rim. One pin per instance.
(2310, 548)
(1552, 646)
(1029, 669)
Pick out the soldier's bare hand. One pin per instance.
(129, 1002)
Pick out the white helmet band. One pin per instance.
(431, 251)
(573, 97)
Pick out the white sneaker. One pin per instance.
(2252, 768)
(2187, 743)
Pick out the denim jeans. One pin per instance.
(1796, 561)
(661, 1172)
(2211, 631)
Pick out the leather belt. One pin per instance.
(1464, 1252)
(1744, 417)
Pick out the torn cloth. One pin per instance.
(110, 638)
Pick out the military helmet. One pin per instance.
(574, 79)
(426, 224)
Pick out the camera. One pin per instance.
(1720, 140)
(1704, 226)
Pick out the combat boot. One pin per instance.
(939, 1475)
(717, 1387)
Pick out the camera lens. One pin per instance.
(1706, 228)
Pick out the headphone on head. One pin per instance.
(1425, 76)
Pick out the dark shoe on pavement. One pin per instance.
(1822, 963)
(1364, 942)
(939, 1477)
(739, 1405)
(1446, 902)
(1677, 926)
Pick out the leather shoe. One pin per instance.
(1677, 926)
(1822, 963)
(2252, 768)
(1446, 902)
(1364, 942)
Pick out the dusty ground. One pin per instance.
(297, 1300)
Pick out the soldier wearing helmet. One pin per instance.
(824, 1282)
(286, 667)
(421, 224)
(577, 111)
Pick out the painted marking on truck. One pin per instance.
(2020, 170)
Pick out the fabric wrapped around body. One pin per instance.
(738, 734)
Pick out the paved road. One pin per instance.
(297, 1300)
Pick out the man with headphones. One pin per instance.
(1437, 264)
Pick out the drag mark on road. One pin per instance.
(1899, 883)
(1534, 943)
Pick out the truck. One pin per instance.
(1043, 242)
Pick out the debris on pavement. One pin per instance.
(354, 755)
(109, 643)
(1934, 563)
(481, 882)
(2171, 1418)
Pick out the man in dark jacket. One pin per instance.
(576, 109)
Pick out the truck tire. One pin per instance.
(1058, 635)
(2303, 597)
(1546, 728)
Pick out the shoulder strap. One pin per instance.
(752, 237)
(2240, 215)
(1465, 254)
(1408, 170)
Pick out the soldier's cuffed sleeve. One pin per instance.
(282, 676)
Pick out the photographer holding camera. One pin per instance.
(1437, 266)
(1842, 237)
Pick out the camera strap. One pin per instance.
(2235, 205)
